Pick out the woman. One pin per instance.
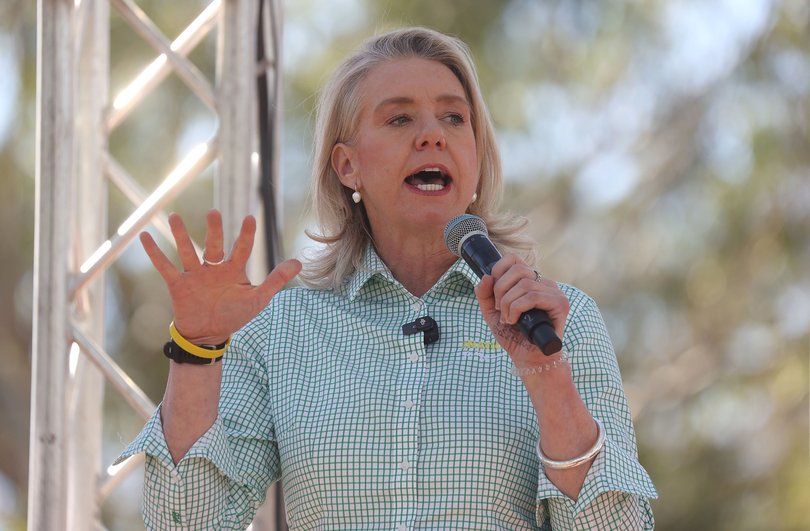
(369, 422)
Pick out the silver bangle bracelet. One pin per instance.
(571, 463)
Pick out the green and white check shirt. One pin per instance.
(369, 428)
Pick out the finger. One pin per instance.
(185, 248)
(550, 300)
(243, 245)
(509, 277)
(161, 262)
(503, 265)
(485, 294)
(278, 278)
(512, 279)
(519, 300)
(213, 251)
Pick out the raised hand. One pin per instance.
(213, 299)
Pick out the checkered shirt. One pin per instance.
(368, 428)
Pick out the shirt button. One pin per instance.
(409, 404)
(402, 527)
(413, 357)
(417, 306)
(405, 465)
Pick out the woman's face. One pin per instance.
(414, 157)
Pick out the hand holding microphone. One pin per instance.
(466, 236)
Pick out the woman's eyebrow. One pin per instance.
(405, 100)
(390, 102)
(453, 98)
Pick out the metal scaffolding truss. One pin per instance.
(73, 246)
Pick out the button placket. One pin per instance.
(409, 388)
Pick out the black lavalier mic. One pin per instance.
(466, 236)
(424, 324)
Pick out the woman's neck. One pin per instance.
(417, 263)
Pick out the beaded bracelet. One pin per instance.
(571, 463)
(523, 371)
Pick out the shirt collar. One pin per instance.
(372, 265)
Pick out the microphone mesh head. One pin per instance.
(459, 227)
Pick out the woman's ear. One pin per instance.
(343, 164)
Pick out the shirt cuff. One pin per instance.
(613, 470)
(212, 446)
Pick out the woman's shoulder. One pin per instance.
(583, 312)
(577, 298)
(298, 301)
(288, 308)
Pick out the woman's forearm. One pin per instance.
(189, 405)
(567, 429)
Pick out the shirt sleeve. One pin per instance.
(617, 489)
(222, 480)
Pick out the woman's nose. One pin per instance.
(431, 135)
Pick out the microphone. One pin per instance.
(466, 236)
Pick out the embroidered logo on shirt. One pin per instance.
(481, 345)
(483, 350)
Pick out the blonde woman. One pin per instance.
(371, 419)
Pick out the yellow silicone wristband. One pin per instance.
(196, 350)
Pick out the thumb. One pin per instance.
(485, 294)
(278, 277)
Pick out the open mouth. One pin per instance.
(429, 180)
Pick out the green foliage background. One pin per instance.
(660, 149)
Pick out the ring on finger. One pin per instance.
(206, 261)
(537, 276)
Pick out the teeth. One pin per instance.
(433, 169)
(430, 187)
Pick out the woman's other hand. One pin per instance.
(514, 288)
(212, 299)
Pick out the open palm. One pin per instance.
(213, 299)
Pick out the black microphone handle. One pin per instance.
(480, 254)
(536, 325)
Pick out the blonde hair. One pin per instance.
(343, 225)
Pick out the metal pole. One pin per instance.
(236, 72)
(271, 515)
(71, 248)
(237, 180)
(47, 497)
(89, 227)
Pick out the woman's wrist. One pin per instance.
(181, 350)
(201, 339)
(540, 364)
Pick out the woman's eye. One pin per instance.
(399, 120)
(456, 118)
